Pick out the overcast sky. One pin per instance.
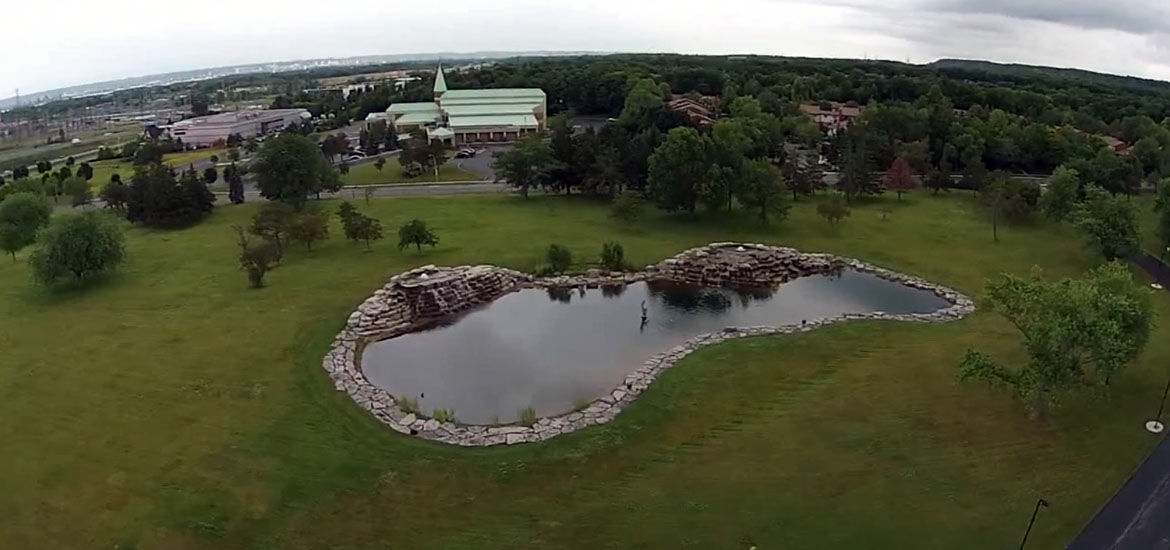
(86, 41)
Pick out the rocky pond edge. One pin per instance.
(388, 313)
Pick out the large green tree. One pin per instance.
(1064, 188)
(289, 168)
(21, 216)
(1077, 332)
(762, 188)
(527, 165)
(157, 199)
(77, 246)
(679, 168)
(1109, 223)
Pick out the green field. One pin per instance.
(367, 174)
(170, 407)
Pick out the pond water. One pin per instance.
(557, 348)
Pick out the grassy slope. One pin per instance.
(367, 174)
(170, 407)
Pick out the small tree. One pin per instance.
(78, 245)
(1064, 187)
(308, 228)
(1163, 229)
(416, 233)
(234, 154)
(78, 190)
(368, 193)
(235, 180)
(366, 229)
(900, 177)
(210, 175)
(559, 258)
(115, 194)
(938, 180)
(627, 206)
(613, 256)
(85, 171)
(21, 216)
(833, 210)
(272, 223)
(256, 259)
(761, 187)
(995, 197)
(525, 166)
(1077, 332)
(379, 164)
(1109, 223)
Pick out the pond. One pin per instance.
(555, 349)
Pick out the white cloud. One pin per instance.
(99, 41)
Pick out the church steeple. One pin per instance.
(440, 82)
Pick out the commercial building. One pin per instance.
(837, 117)
(206, 131)
(462, 117)
(701, 112)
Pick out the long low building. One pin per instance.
(470, 116)
(207, 131)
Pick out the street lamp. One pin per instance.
(1155, 426)
(1039, 503)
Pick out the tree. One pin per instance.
(559, 258)
(1064, 188)
(235, 181)
(21, 216)
(234, 153)
(526, 165)
(900, 177)
(644, 104)
(78, 190)
(234, 140)
(85, 171)
(44, 166)
(343, 168)
(415, 232)
(1163, 228)
(996, 198)
(1109, 223)
(256, 259)
(678, 169)
(115, 194)
(357, 226)
(334, 145)
(70, 161)
(308, 228)
(856, 175)
(272, 223)
(77, 245)
(833, 210)
(158, 199)
(627, 206)
(379, 164)
(289, 167)
(762, 188)
(1077, 332)
(148, 153)
(210, 175)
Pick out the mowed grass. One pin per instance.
(169, 406)
(367, 174)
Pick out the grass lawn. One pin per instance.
(170, 407)
(367, 174)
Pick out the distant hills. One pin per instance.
(959, 68)
(986, 69)
(98, 88)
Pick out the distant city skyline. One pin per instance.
(94, 43)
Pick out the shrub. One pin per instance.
(407, 404)
(158, 199)
(444, 415)
(613, 256)
(527, 416)
(307, 228)
(81, 246)
(627, 207)
(559, 258)
(272, 223)
(833, 210)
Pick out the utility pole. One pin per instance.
(1155, 425)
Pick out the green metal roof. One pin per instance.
(493, 121)
(440, 80)
(418, 118)
(399, 108)
(490, 109)
(533, 93)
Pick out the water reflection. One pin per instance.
(550, 349)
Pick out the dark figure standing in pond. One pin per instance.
(643, 327)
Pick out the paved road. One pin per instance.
(1138, 516)
(412, 190)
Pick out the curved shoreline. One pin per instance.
(414, 298)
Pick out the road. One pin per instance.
(410, 190)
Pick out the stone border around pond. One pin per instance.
(446, 291)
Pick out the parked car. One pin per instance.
(465, 153)
(354, 157)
